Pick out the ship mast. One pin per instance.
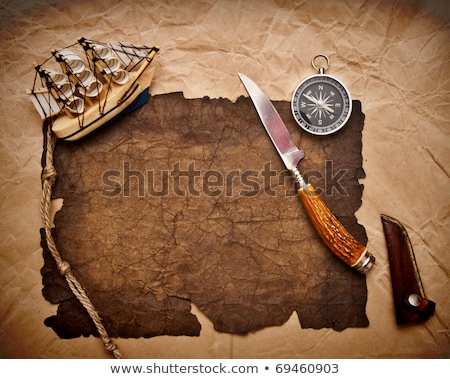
(148, 60)
(89, 49)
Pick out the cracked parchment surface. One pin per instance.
(186, 200)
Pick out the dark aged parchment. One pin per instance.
(186, 200)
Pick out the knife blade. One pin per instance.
(332, 232)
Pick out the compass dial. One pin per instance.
(321, 104)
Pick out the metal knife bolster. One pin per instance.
(410, 302)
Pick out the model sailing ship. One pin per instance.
(90, 90)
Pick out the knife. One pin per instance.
(332, 232)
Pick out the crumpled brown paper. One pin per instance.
(393, 55)
(187, 201)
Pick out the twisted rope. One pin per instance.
(48, 180)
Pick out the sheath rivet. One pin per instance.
(414, 300)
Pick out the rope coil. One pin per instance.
(48, 180)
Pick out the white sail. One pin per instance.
(44, 102)
(120, 77)
(93, 89)
(85, 77)
(75, 63)
(102, 51)
(57, 76)
(90, 85)
(127, 53)
(61, 84)
(75, 105)
(66, 90)
(111, 64)
(112, 67)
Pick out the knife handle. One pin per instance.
(333, 233)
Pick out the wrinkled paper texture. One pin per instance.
(187, 201)
(393, 56)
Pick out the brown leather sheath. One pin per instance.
(409, 296)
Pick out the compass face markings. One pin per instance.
(321, 104)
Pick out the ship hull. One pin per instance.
(72, 129)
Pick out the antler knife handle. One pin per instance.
(333, 233)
